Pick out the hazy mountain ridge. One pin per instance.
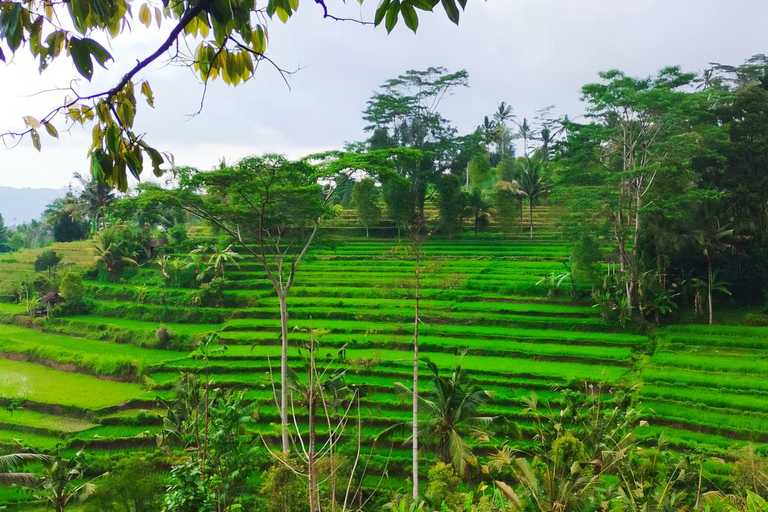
(19, 205)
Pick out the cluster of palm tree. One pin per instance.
(206, 260)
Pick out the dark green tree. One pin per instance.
(451, 202)
(5, 237)
(477, 208)
(404, 113)
(365, 199)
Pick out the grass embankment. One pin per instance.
(710, 380)
(46, 386)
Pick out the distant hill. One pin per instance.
(19, 205)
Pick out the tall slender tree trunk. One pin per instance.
(709, 287)
(284, 371)
(530, 209)
(314, 505)
(415, 433)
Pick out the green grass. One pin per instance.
(15, 439)
(23, 418)
(191, 329)
(44, 385)
(711, 362)
(709, 397)
(748, 425)
(117, 432)
(100, 357)
(703, 379)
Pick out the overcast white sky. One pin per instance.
(529, 53)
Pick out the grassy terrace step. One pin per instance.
(14, 439)
(708, 397)
(696, 441)
(44, 385)
(106, 291)
(717, 336)
(735, 424)
(21, 419)
(99, 357)
(711, 363)
(476, 364)
(321, 313)
(470, 331)
(712, 380)
(124, 323)
(446, 344)
(506, 388)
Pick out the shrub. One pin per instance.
(71, 287)
(178, 234)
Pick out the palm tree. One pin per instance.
(488, 129)
(500, 117)
(452, 405)
(94, 198)
(62, 482)
(477, 206)
(221, 257)
(11, 464)
(527, 133)
(711, 239)
(532, 184)
(108, 250)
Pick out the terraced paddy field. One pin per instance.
(95, 381)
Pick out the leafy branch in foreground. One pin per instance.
(233, 42)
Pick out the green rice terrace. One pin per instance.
(551, 313)
(101, 381)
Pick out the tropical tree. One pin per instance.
(4, 237)
(639, 133)
(501, 117)
(404, 113)
(452, 408)
(451, 201)
(64, 481)
(479, 170)
(506, 195)
(109, 251)
(531, 182)
(63, 215)
(93, 200)
(222, 257)
(711, 239)
(477, 207)
(526, 132)
(365, 199)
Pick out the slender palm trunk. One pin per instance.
(709, 287)
(314, 505)
(530, 209)
(415, 433)
(284, 371)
